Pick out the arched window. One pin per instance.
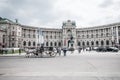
(69, 30)
(33, 43)
(59, 44)
(97, 43)
(47, 44)
(107, 42)
(92, 43)
(51, 44)
(29, 43)
(55, 44)
(78, 43)
(83, 43)
(24, 43)
(102, 43)
(87, 43)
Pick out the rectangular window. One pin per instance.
(33, 36)
(13, 39)
(28, 35)
(13, 45)
(24, 35)
(119, 33)
(87, 36)
(96, 35)
(13, 33)
(82, 36)
(3, 38)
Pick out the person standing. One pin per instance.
(19, 51)
(79, 49)
(41, 50)
(59, 51)
(64, 51)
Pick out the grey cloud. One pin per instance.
(39, 9)
(44, 11)
(106, 3)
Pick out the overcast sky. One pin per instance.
(51, 13)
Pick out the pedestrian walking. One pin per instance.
(59, 51)
(90, 48)
(19, 51)
(64, 51)
(41, 49)
(79, 49)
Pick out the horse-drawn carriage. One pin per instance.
(41, 52)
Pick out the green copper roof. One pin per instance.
(5, 20)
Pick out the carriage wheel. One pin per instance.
(53, 54)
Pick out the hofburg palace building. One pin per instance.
(16, 35)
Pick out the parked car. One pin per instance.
(101, 49)
(107, 49)
(112, 49)
(94, 48)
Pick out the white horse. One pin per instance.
(30, 52)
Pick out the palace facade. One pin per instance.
(13, 34)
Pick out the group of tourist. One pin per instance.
(58, 50)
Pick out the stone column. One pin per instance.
(117, 36)
(64, 37)
(112, 33)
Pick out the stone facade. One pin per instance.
(2, 38)
(14, 34)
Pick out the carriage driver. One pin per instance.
(41, 49)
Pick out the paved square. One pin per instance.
(83, 66)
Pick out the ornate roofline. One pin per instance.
(5, 20)
(101, 26)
